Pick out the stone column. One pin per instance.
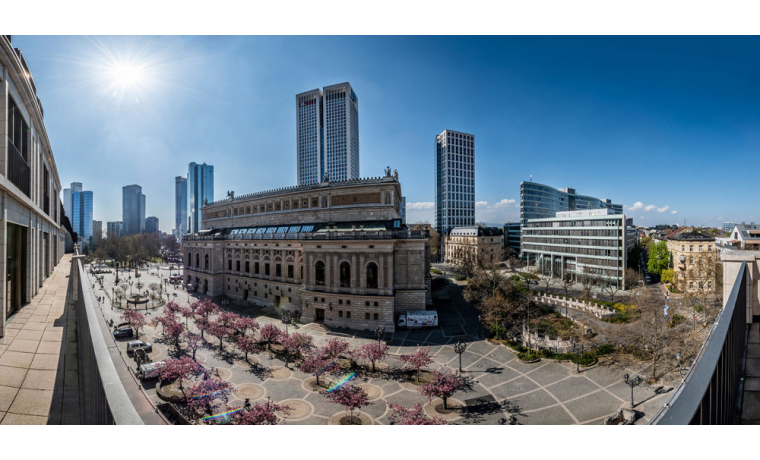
(390, 270)
(355, 269)
(362, 273)
(381, 271)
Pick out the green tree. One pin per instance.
(647, 242)
(659, 258)
(667, 276)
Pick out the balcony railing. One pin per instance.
(711, 391)
(104, 401)
(19, 172)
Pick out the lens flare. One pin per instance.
(340, 382)
(223, 414)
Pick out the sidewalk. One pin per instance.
(39, 374)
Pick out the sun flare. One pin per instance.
(126, 75)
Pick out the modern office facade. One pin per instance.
(78, 205)
(539, 201)
(327, 134)
(200, 189)
(588, 244)
(151, 224)
(727, 227)
(337, 252)
(132, 210)
(180, 206)
(31, 232)
(97, 229)
(512, 238)
(113, 229)
(454, 180)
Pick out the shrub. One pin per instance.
(528, 355)
(459, 277)
(699, 308)
(605, 349)
(498, 331)
(436, 271)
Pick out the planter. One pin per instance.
(169, 391)
(529, 362)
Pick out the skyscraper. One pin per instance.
(77, 205)
(113, 229)
(200, 188)
(327, 133)
(132, 210)
(454, 180)
(97, 229)
(151, 224)
(180, 206)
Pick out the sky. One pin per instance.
(666, 126)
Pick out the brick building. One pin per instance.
(335, 251)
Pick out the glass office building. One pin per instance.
(132, 210)
(200, 189)
(454, 180)
(180, 206)
(78, 206)
(327, 133)
(538, 201)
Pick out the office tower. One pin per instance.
(402, 210)
(200, 189)
(454, 180)
(113, 229)
(180, 206)
(97, 229)
(538, 201)
(77, 204)
(151, 224)
(132, 210)
(327, 134)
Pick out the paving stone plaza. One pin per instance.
(546, 392)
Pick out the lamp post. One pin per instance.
(579, 350)
(632, 383)
(379, 334)
(459, 348)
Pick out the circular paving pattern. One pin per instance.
(435, 409)
(155, 353)
(251, 391)
(252, 361)
(341, 418)
(310, 384)
(374, 392)
(299, 409)
(280, 373)
(222, 373)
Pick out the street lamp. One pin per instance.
(632, 383)
(380, 334)
(459, 348)
(579, 350)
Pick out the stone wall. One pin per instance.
(589, 307)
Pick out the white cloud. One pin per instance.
(498, 213)
(505, 203)
(674, 212)
(481, 204)
(639, 206)
(420, 205)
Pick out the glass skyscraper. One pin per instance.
(78, 205)
(200, 188)
(132, 210)
(454, 180)
(180, 206)
(327, 133)
(538, 201)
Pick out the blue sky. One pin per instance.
(667, 126)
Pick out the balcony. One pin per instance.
(19, 172)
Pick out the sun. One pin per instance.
(124, 75)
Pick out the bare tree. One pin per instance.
(565, 282)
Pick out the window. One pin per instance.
(256, 268)
(340, 313)
(247, 266)
(278, 270)
(319, 273)
(376, 316)
(366, 303)
(205, 262)
(691, 248)
(348, 302)
(266, 269)
(189, 260)
(348, 314)
(375, 303)
(237, 265)
(229, 265)
(700, 248)
(316, 299)
(372, 275)
(197, 261)
(366, 315)
(290, 271)
(345, 274)
(340, 301)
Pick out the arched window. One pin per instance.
(319, 273)
(197, 260)
(205, 263)
(372, 275)
(345, 274)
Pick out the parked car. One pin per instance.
(139, 344)
(418, 318)
(123, 332)
(150, 370)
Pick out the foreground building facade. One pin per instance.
(335, 251)
(33, 240)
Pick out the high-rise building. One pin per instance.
(402, 210)
(151, 224)
(200, 189)
(454, 180)
(97, 229)
(538, 201)
(180, 206)
(132, 210)
(113, 229)
(78, 204)
(327, 133)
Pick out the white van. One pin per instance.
(150, 370)
(418, 318)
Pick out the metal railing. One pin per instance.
(103, 399)
(710, 394)
(19, 172)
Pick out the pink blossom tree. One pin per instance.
(172, 307)
(207, 394)
(243, 324)
(193, 342)
(173, 330)
(349, 396)
(186, 313)
(260, 414)
(247, 344)
(334, 348)
(417, 359)
(401, 415)
(270, 334)
(372, 352)
(179, 369)
(205, 310)
(135, 319)
(445, 383)
(296, 344)
(317, 362)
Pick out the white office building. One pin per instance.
(327, 134)
(454, 180)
